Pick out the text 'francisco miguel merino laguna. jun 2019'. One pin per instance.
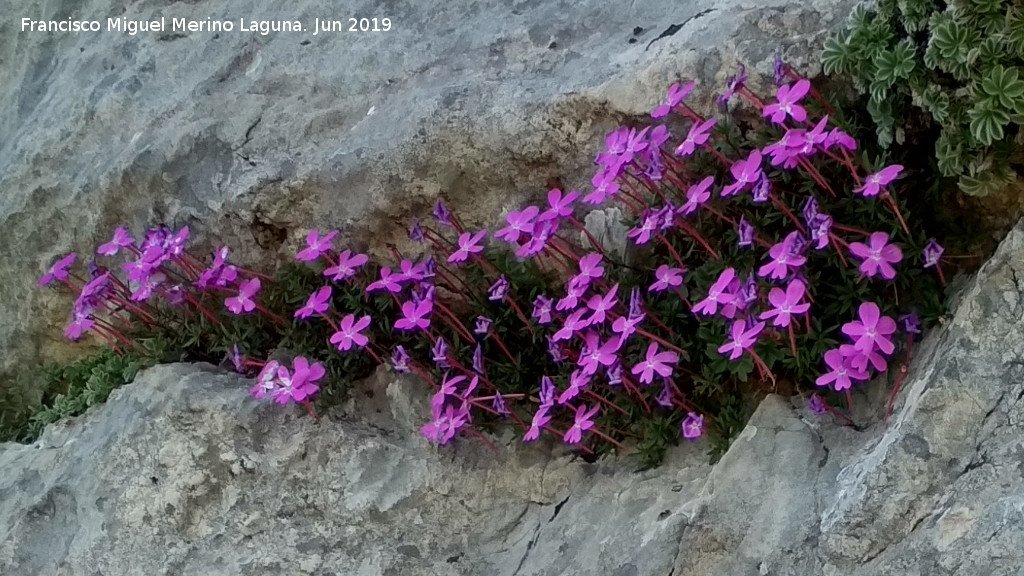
(164, 24)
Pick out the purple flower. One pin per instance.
(675, 95)
(716, 294)
(693, 426)
(59, 270)
(266, 380)
(561, 206)
(498, 404)
(821, 226)
(572, 324)
(540, 419)
(317, 303)
(605, 186)
(468, 244)
(236, 359)
(810, 210)
(244, 302)
(304, 379)
(542, 309)
(667, 277)
(842, 374)
(655, 363)
(733, 83)
(584, 421)
(636, 302)
(519, 223)
(415, 315)
(388, 281)
(664, 398)
(498, 290)
(873, 183)
(742, 339)
(441, 214)
(762, 189)
(80, 324)
(349, 334)
(590, 267)
(555, 351)
(347, 266)
(316, 245)
(424, 291)
(910, 323)
(478, 358)
(779, 68)
(445, 425)
(837, 137)
(642, 234)
(697, 195)
(746, 232)
(859, 360)
(596, 354)
(483, 325)
(547, 391)
(932, 253)
(602, 304)
(697, 136)
(400, 360)
(578, 380)
(122, 239)
(416, 233)
(878, 256)
(817, 404)
(786, 304)
(440, 352)
(788, 104)
(746, 172)
(783, 258)
(872, 330)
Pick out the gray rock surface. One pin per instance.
(181, 473)
(254, 139)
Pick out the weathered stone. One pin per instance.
(182, 473)
(252, 140)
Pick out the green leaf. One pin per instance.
(838, 56)
(1004, 85)
(987, 122)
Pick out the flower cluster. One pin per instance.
(751, 256)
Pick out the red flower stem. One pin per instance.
(899, 378)
(778, 204)
(721, 158)
(835, 244)
(816, 176)
(721, 216)
(895, 210)
(483, 439)
(455, 323)
(850, 229)
(501, 344)
(685, 300)
(685, 110)
(849, 164)
(672, 251)
(942, 277)
(849, 401)
(271, 315)
(744, 91)
(597, 245)
(519, 313)
(627, 382)
(310, 410)
(605, 401)
(814, 93)
(807, 323)
(792, 339)
(607, 439)
(374, 355)
(683, 402)
(665, 343)
(693, 233)
(761, 366)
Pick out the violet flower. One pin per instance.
(874, 183)
(542, 309)
(561, 205)
(347, 266)
(932, 253)
(596, 354)
(577, 381)
(664, 397)
(821, 227)
(693, 426)
(742, 339)
(788, 104)
(716, 294)
(584, 421)
(779, 68)
(243, 301)
(872, 330)
(468, 244)
(842, 374)
(676, 94)
(400, 360)
(878, 256)
(483, 325)
(316, 245)
(910, 323)
(441, 214)
(746, 233)
(349, 334)
(786, 304)
(698, 135)
(440, 353)
(122, 239)
(602, 304)
(655, 362)
(498, 290)
(59, 270)
(697, 195)
(415, 316)
(388, 281)
(746, 171)
(667, 277)
(416, 233)
(783, 258)
(540, 419)
(817, 404)
(317, 303)
(590, 266)
(762, 189)
(519, 223)
(498, 404)
(642, 234)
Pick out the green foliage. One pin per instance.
(959, 63)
